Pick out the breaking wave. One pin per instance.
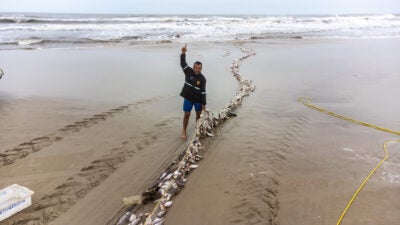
(18, 30)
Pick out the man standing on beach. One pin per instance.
(193, 91)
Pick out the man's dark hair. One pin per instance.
(198, 63)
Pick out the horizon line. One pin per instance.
(207, 14)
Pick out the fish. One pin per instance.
(160, 223)
(157, 220)
(136, 221)
(132, 217)
(167, 204)
(194, 166)
(163, 175)
(161, 213)
(168, 197)
(198, 157)
(162, 191)
(181, 182)
(168, 176)
(177, 173)
(124, 219)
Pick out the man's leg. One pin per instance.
(198, 113)
(197, 107)
(186, 117)
(187, 108)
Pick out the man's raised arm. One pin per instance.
(184, 65)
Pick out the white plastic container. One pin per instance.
(13, 199)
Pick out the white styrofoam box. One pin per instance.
(13, 199)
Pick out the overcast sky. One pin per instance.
(203, 6)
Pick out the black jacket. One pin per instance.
(194, 88)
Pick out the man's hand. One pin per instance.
(184, 49)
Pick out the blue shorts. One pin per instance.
(188, 106)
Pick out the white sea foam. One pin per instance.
(348, 149)
(16, 28)
(389, 177)
(29, 41)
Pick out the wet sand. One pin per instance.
(100, 133)
(280, 162)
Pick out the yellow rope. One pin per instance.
(365, 181)
(307, 102)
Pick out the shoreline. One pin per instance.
(161, 43)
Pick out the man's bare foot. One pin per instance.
(183, 136)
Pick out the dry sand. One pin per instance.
(85, 128)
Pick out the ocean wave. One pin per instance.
(196, 19)
(106, 19)
(82, 29)
(35, 41)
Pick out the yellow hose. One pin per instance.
(307, 102)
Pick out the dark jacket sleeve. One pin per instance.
(203, 92)
(184, 65)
